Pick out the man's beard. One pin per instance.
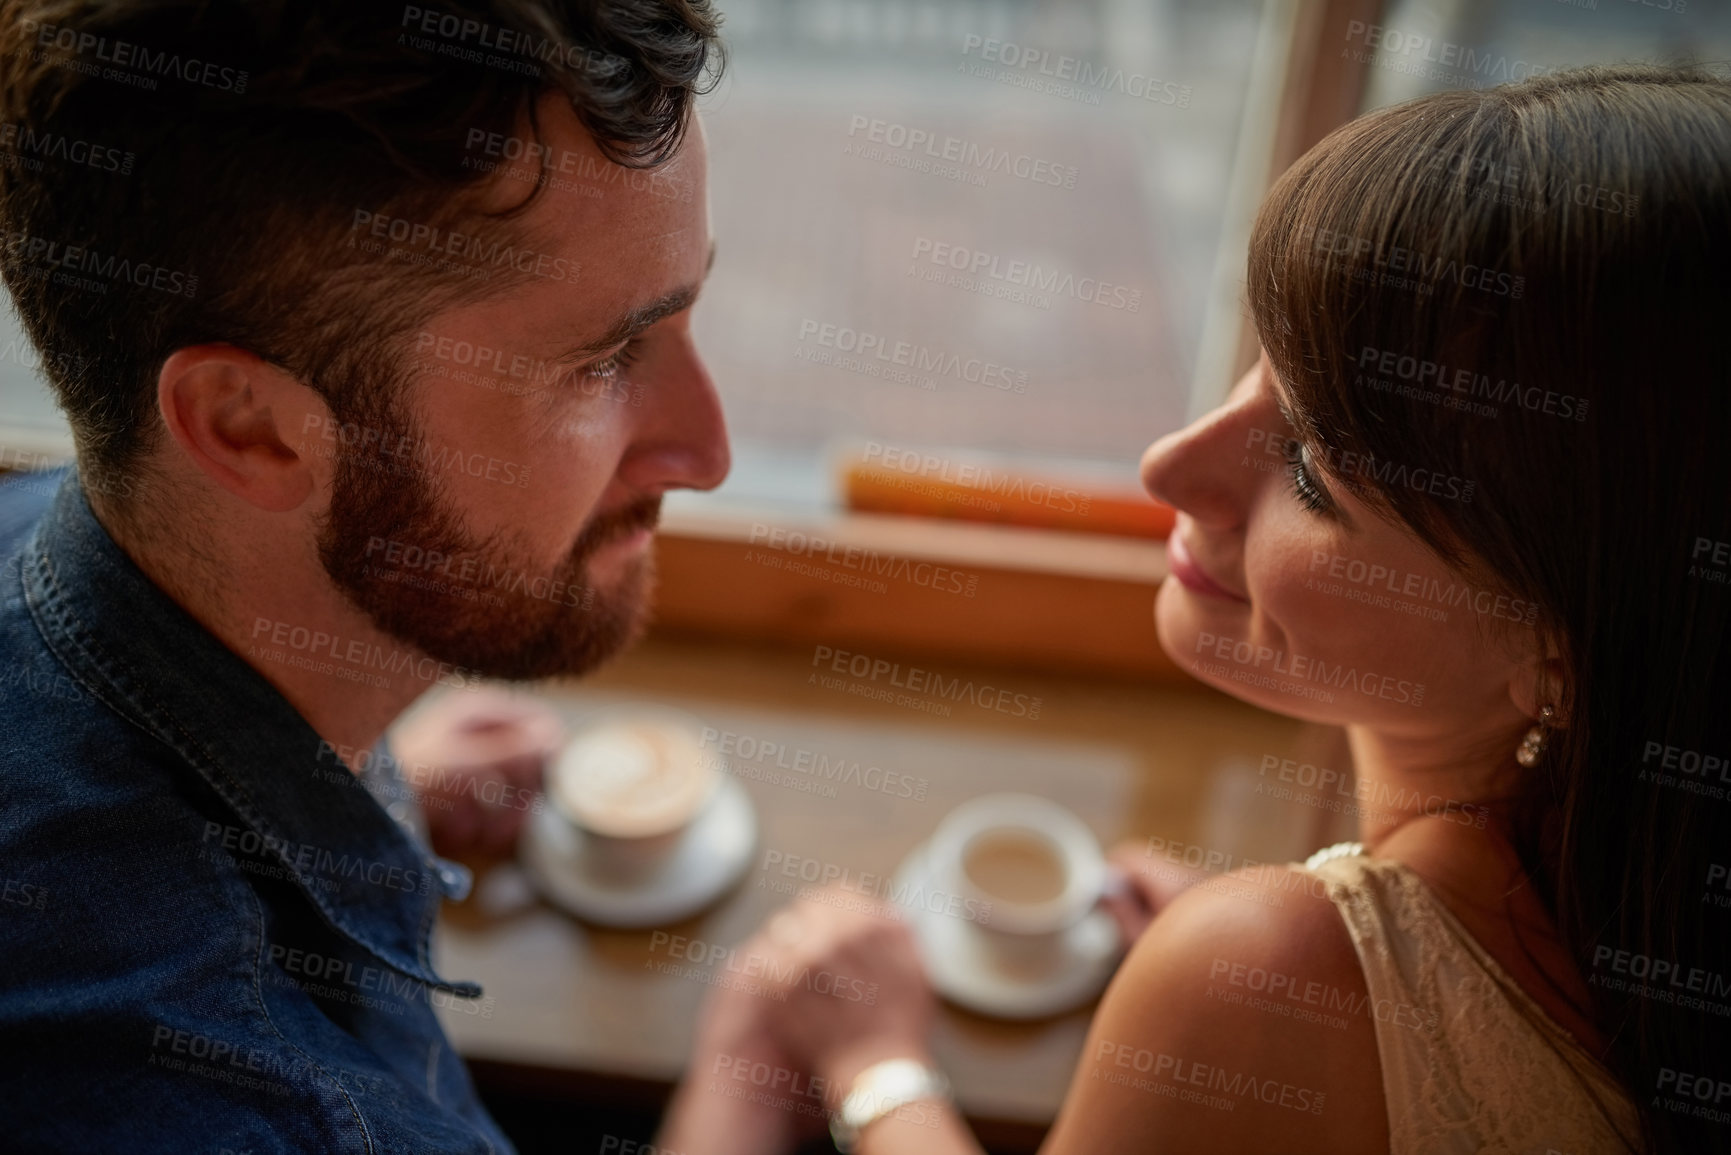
(403, 557)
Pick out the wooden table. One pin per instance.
(585, 1005)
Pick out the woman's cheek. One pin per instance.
(1281, 563)
(1306, 612)
(1176, 622)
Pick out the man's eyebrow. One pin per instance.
(637, 320)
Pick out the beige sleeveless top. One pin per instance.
(1470, 1063)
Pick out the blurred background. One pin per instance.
(1161, 199)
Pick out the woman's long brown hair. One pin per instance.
(1529, 288)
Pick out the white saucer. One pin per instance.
(964, 969)
(714, 852)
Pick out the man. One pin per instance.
(372, 327)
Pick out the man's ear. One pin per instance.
(249, 426)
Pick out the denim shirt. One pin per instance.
(213, 936)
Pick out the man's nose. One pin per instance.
(681, 436)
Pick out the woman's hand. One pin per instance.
(854, 989)
(475, 760)
(1143, 885)
(836, 985)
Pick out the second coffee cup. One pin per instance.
(1035, 866)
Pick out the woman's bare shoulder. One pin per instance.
(1240, 1021)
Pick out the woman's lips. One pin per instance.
(1191, 576)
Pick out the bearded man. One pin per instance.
(372, 326)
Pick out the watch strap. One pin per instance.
(879, 1090)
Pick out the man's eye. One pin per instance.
(610, 367)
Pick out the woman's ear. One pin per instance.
(1539, 682)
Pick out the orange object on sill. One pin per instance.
(977, 491)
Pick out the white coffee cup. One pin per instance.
(633, 782)
(1033, 868)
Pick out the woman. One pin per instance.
(1491, 366)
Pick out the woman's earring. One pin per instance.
(1533, 744)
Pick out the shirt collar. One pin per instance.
(151, 662)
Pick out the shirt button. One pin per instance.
(455, 879)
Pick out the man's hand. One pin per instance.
(475, 760)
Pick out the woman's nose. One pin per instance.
(1212, 468)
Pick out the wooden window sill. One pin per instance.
(871, 583)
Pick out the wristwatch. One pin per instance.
(877, 1091)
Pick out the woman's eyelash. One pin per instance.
(1304, 487)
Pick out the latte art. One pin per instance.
(632, 779)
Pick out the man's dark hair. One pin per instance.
(184, 172)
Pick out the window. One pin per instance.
(955, 224)
(33, 434)
(1422, 47)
